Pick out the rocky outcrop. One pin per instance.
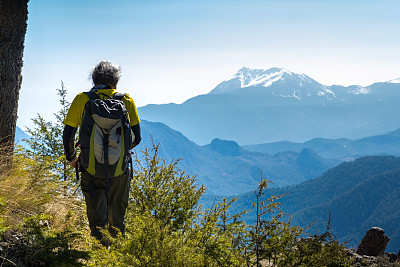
(374, 242)
(388, 259)
(371, 251)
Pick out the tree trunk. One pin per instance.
(13, 23)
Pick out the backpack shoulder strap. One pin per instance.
(92, 95)
(118, 96)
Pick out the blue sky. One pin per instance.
(170, 51)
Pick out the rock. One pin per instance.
(374, 242)
(361, 260)
(352, 254)
(392, 256)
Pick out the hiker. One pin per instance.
(103, 160)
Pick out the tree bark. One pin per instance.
(13, 23)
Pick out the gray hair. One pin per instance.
(106, 73)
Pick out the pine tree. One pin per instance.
(46, 144)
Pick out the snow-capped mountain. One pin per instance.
(278, 81)
(260, 106)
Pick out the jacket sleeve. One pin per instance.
(68, 142)
(136, 131)
(131, 108)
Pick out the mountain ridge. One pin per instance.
(224, 167)
(342, 148)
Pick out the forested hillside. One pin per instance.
(359, 195)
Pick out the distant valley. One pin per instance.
(226, 168)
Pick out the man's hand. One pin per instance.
(74, 163)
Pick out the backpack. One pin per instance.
(105, 136)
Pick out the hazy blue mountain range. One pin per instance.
(359, 195)
(384, 144)
(225, 168)
(261, 106)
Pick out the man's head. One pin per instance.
(106, 73)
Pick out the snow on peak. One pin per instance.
(360, 90)
(394, 81)
(252, 77)
(289, 84)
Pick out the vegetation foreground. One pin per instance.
(43, 219)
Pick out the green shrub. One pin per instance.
(164, 190)
(317, 250)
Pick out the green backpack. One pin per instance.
(105, 136)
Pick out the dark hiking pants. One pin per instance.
(105, 208)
